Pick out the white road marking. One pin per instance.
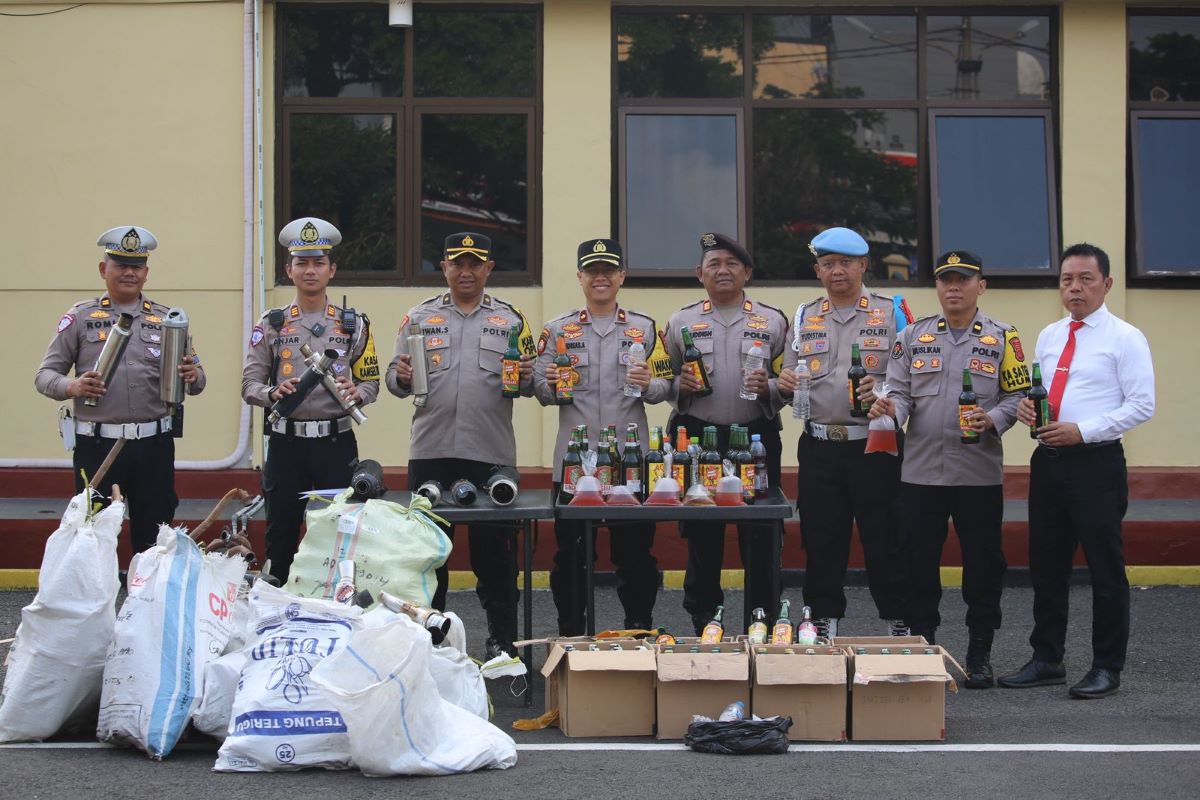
(665, 747)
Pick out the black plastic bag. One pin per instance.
(740, 737)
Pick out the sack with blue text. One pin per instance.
(177, 618)
(282, 720)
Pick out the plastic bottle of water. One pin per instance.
(733, 712)
(753, 360)
(637, 355)
(801, 408)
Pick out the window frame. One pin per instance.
(407, 109)
(1136, 110)
(920, 102)
(993, 270)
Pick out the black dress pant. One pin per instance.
(637, 572)
(706, 540)
(1078, 498)
(977, 512)
(296, 465)
(493, 548)
(145, 471)
(840, 485)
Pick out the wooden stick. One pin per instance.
(243, 497)
(113, 452)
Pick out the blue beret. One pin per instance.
(842, 241)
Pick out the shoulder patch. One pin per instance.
(256, 335)
(66, 321)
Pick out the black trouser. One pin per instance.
(493, 548)
(296, 465)
(706, 540)
(978, 512)
(1078, 497)
(841, 485)
(630, 547)
(145, 471)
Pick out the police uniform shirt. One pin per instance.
(321, 330)
(925, 378)
(465, 415)
(822, 335)
(133, 393)
(722, 341)
(598, 362)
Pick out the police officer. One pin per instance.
(314, 447)
(839, 485)
(724, 326)
(465, 429)
(942, 477)
(128, 407)
(598, 337)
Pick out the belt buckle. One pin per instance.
(837, 433)
(305, 429)
(129, 430)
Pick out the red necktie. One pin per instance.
(1063, 371)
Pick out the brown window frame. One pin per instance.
(408, 110)
(920, 103)
(1136, 273)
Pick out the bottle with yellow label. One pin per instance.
(681, 468)
(655, 465)
(564, 387)
(714, 629)
(693, 362)
(710, 460)
(782, 632)
(967, 403)
(510, 367)
(757, 632)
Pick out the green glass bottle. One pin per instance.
(510, 367)
(854, 378)
(1041, 401)
(693, 362)
(967, 403)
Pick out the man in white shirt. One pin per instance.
(1102, 386)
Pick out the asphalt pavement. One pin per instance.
(999, 743)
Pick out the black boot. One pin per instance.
(502, 629)
(979, 660)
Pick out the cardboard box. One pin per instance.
(898, 697)
(811, 689)
(883, 641)
(602, 692)
(699, 683)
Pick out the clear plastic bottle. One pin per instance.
(758, 452)
(801, 405)
(754, 360)
(637, 355)
(733, 712)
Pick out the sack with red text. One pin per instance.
(177, 618)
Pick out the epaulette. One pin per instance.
(693, 305)
(778, 311)
(510, 306)
(929, 316)
(639, 313)
(563, 317)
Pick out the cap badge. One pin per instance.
(812, 249)
(131, 241)
(308, 234)
(468, 241)
(953, 258)
(708, 240)
(599, 247)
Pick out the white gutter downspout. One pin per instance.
(252, 169)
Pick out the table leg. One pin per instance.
(748, 576)
(776, 565)
(529, 527)
(589, 542)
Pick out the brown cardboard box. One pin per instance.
(699, 683)
(603, 692)
(898, 697)
(884, 641)
(811, 689)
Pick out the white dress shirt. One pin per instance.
(1110, 388)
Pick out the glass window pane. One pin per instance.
(474, 53)
(1168, 187)
(475, 176)
(1164, 58)
(679, 55)
(343, 169)
(335, 52)
(828, 56)
(815, 169)
(992, 191)
(681, 179)
(988, 58)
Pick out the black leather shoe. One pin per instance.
(980, 675)
(1096, 684)
(1035, 673)
(494, 647)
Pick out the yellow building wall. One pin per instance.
(97, 135)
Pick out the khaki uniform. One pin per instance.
(722, 345)
(132, 394)
(598, 377)
(145, 468)
(840, 486)
(465, 416)
(925, 378)
(945, 479)
(296, 463)
(320, 330)
(822, 335)
(598, 373)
